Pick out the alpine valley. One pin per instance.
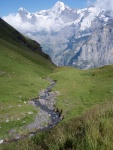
(49, 107)
(66, 34)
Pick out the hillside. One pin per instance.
(22, 67)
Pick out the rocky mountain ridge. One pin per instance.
(96, 51)
(62, 31)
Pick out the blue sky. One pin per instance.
(11, 6)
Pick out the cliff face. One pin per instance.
(96, 51)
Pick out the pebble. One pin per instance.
(19, 96)
(7, 120)
(11, 106)
(30, 113)
(1, 141)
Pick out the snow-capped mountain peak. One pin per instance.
(60, 16)
(24, 14)
(22, 10)
(59, 7)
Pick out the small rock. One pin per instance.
(7, 120)
(18, 118)
(23, 114)
(17, 137)
(62, 117)
(10, 106)
(24, 102)
(30, 112)
(1, 141)
(19, 96)
(19, 105)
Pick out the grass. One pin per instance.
(21, 80)
(98, 127)
(81, 89)
(92, 130)
(22, 68)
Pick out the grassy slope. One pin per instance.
(22, 66)
(81, 89)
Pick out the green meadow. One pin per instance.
(81, 89)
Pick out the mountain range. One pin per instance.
(73, 37)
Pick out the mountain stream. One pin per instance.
(48, 116)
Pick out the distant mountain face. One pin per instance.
(67, 34)
(96, 51)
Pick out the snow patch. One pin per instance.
(93, 13)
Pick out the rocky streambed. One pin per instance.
(48, 116)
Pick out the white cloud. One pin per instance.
(15, 21)
(42, 23)
(106, 5)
